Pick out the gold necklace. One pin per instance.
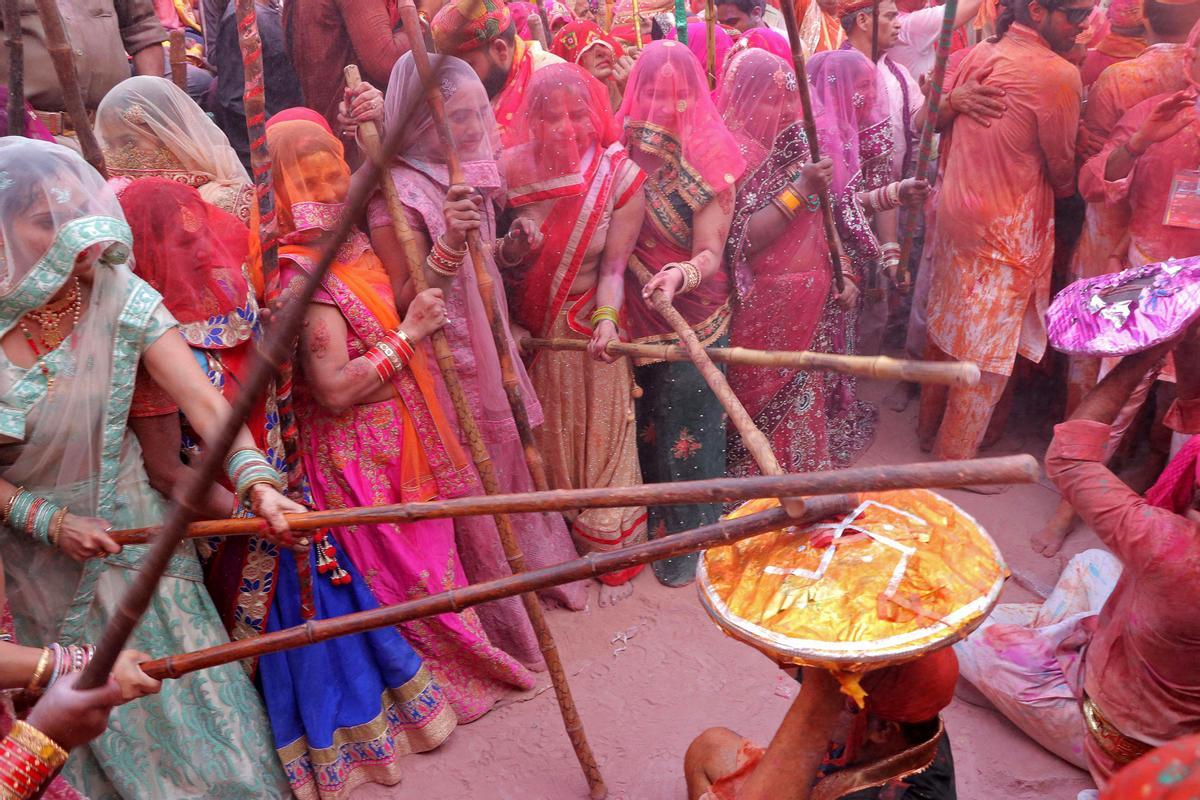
(50, 317)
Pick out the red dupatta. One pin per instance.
(563, 149)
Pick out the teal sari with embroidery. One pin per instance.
(63, 436)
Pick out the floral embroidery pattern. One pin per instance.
(685, 446)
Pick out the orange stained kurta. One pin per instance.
(818, 31)
(1160, 68)
(995, 231)
(1146, 189)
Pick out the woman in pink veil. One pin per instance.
(421, 175)
(673, 132)
(779, 259)
(852, 121)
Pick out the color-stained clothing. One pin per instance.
(1146, 190)
(995, 230)
(1159, 68)
(323, 36)
(1113, 49)
(818, 31)
(1140, 668)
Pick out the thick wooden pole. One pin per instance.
(14, 41)
(508, 540)
(525, 583)
(927, 475)
(637, 26)
(925, 152)
(874, 31)
(177, 50)
(810, 131)
(63, 59)
(710, 35)
(884, 368)
(281, 332)
(755, 441)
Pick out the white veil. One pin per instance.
(63, 419)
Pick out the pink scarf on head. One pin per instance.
(1176, 486)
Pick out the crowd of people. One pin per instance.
(599, 154)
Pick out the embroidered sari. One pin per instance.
(852, 121)
(422, 178)
(385, 702)
(395, 451)
(64, 426)
(673, 132)
(781, 288)
(571, 183)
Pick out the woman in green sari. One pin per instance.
(75, 324)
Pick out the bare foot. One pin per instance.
(611, 595)
(1049, 540)
(900, 396)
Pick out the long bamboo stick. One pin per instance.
(874, 31)
(281, 332)
(756, 443)
(177, 50)
(928, 475)
(524, 583)
(14, 41)
(710, 40)
(925, 153)
(637, 26)
(882, 368)
(63, 59)
(547, 35)
(814, 149)
(508, 540)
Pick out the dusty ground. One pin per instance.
(643, 700)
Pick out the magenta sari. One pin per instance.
(781, 289)
(852, 121)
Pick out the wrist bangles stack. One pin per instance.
(444, 260)
(789, 201)
(58, 661)
(28, 758)
(247, 468)
(884, 198)
(891, 254)
(603, 313)
(391, 354)
(34, 515)
(691, 275)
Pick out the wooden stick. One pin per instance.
(178, 52)
(281, 332)
(874, 31)
(523, 583)
(925, 153)
(15, 42)
(637, 26)
(884, 368)
(608, 16)
(927, 475)
(814, 149)
(756, 443)
(710, 33)
(64, 66)
(544, 18)
(508, 540)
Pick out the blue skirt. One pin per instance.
(345, 711)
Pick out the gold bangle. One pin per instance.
(56, 526)
(38, 744)
(9, 505)
(39, 672)
(603, 313)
